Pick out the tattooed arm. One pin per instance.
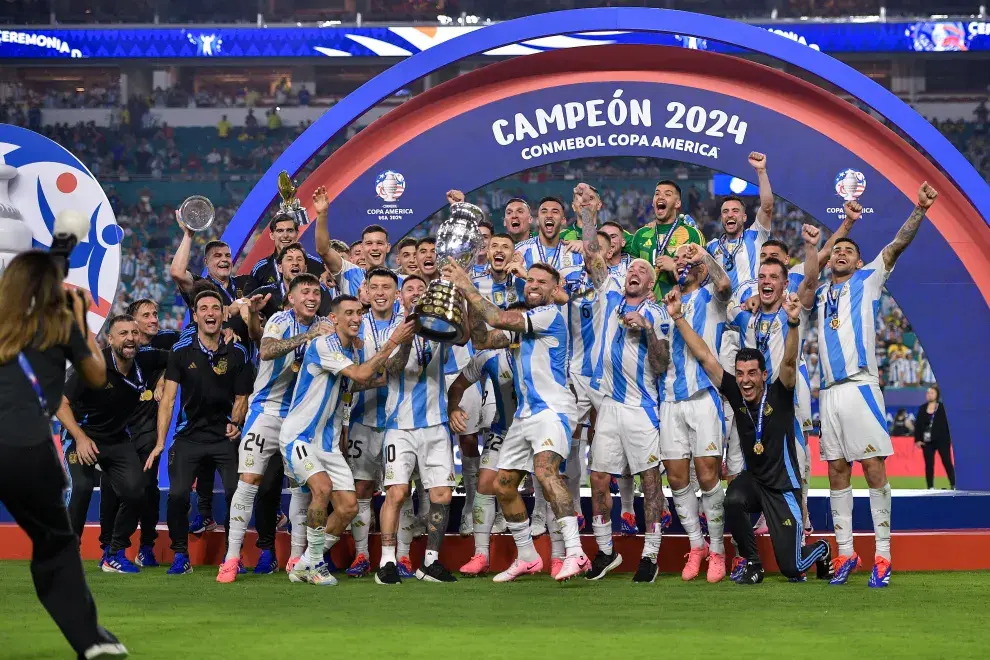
(658, 352)
(272, 348)
(907, 232)
(380, 380)
(723, 285)
(366, 373)
(395, 364)
(481, 336)
(481, 308)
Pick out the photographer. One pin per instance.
(42, 327)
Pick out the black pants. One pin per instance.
(31, 487)
(204, 488)
(269, 501)
(184, 460)
(782, 509)
(123, 473)
(150, 506)
(943, 449)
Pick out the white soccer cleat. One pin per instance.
(299, 573)
(320, 576)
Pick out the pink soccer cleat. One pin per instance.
(716, 567)
(228, 571)
(761, 528)
(556, 563)
(477, 566)
(518, 569)
(573, 565)
(693, 565)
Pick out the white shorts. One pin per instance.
(364, 452)
(853, 423)
(490, 454)
(802, 400)
(585, 397)
(627, 440)
(544, 431)
(259, 442)
(471, 404)
(426, 450)
(735, 462)
(303, 460)
(693, 427)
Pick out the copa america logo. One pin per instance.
(50, 180)
(850, 184)
(938, 37)
(390, 185)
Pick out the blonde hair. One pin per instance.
(33, 304)
(649, 268)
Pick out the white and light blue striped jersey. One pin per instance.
(276, 378)
(748, 289)
(740, 257)
(707, 315)
(478, 270)
(457, 358)
(570, 265)
(507, 292)
(584, 323)
(417, 398)
(495, 364)
(539, 364)
(847, 345)
(368, 407)
(351, 277)
(622, 368)
(766, 332)
(619, 270)
(315, 416)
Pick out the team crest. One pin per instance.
(764, 327)
(220, 368)
(308, 465)
(499, 298)
(486, 459)
(249, 461)
(767, 410)
(512, 297)
(389, 474)
(73, 458)
(567, 260)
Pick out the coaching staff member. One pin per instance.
(769, 484)
(216, 379)
(39, 332)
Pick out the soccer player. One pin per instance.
(504, 281)
(853, 425)
(769, 483)
(282, 348)
(310, 436)
(616, 260)
(216, 379)
(518, 219)
(691, 420)
(219, 270)
(405, 258)
(539, 437)
(284, 231)
(634, 352)
(367, 430)
(426, 258)
(546, 247)
(292, 261)
(356, 255)
(658, 240)
(101, 437)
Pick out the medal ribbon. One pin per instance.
(543, 254)
(729, 257)
(209, 353)
(758, 424)
(661, 248)
(35, 383)
(228, 290)
(140, 385)
(832, 300)
(763, 341)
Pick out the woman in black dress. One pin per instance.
(931, 434)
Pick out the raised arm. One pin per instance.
(853, 211)
(179, 270)
(788, 367)
(806, 290)
(594, 260)
(481, 308)
(697, 345)
(907, 232)
(765, 215)
(321, 203)
(723, 285)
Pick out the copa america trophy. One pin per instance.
(197, 213)
(441, 314)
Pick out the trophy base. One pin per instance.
(440, 314)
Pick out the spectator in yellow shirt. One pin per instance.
(223, 128)
(274, 121)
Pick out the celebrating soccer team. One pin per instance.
(666, 354)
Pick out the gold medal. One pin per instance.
(834, 323)
(758, 448)
(295, 367)
(146, 395)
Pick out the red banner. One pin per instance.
(907, 461)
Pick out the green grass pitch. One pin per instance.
(922, 615)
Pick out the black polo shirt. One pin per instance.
(22, 421)
(144, 421)
(105, 413)
(277, 303)
(235, 288)
(776, 467)
(208, 385)
(265, 272)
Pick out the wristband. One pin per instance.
(792, 324)
(677, 318)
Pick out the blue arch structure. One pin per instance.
(963, 406)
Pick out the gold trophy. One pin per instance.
(290, 206)
(441, 313)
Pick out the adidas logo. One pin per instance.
(788, 523)
(192, 365)
(711, 447)
(884, 524)
(547, 443)
(838, 526)
(870, 448)
(651, 458)
(239, 519)
(357, 523)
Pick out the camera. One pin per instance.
(70, 229)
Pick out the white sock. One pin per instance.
(540, 502)
(241, 507)
(430, 557)
(651, 546)
(693, 478)
(569, 529)
(298, 503)
(626, 493)
(842, 518)
(484, 511)
(316, 537)
(880, 509)
(525, 549)
(603, 534)
(424, 498)
(712, 502)
(557, 548)
(388, 555)
(686, 505)
(360, 527)
(575, 474)
(329, 540)
(470, 465)
(404, 535)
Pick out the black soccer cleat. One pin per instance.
(752, 574)
(823, 567)
(388, 575)
(647, 571)
(435, 572)
(602, 564)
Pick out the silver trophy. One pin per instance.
(440, 314)
(197, 213)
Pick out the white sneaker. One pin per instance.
(105, 650)
(467, 523)
(300, 572)
(538, 524)
(499, 526)
(320, 576)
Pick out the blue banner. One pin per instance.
(403, 41)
